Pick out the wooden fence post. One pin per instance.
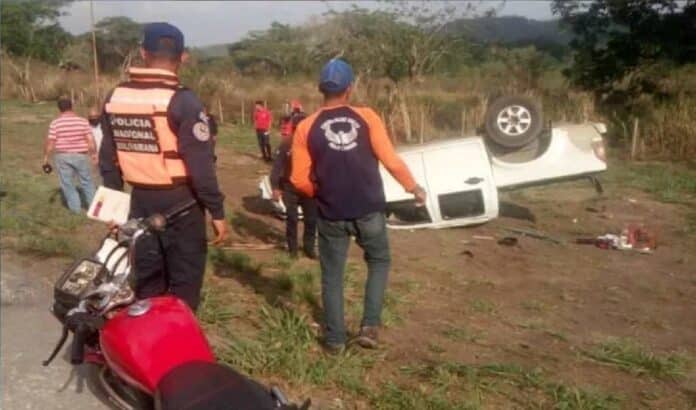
(422, 125)
(634, 142)
(220, 114)
(243, 114)
(463, 122)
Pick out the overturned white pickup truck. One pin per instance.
(462, 178)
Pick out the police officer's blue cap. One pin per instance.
(153, 32)
(336, 76)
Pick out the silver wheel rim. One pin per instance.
(514, 120)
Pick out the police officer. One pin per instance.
(282, 188)
(156, 138)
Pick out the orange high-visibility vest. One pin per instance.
(146, 147)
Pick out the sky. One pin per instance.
(215, 22)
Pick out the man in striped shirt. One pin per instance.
(71, 143)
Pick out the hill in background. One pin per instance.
(508, 30)
(211, 51)
(511, 30)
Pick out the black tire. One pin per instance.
(513, 121)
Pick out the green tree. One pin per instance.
(118, 40)
(281, 50)
(30, 29)
(618, 40)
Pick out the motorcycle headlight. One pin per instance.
(85, 275)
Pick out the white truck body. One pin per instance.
(462, 180)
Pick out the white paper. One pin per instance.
(109, 205)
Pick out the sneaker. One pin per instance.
(333, 349)
(367, 338)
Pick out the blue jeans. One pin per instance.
(370, 232)
(69, 166)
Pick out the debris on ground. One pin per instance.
(632, 238)
(508, 241)
(534, 234)
(483, 237)
(467, 253)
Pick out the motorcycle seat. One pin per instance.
(201, 385)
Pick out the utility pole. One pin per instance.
(94, 52)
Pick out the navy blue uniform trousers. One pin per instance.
(172, 261)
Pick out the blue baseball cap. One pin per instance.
(153, 32)
(336, 76)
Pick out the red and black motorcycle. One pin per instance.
(149, 353)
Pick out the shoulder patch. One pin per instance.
(201, 131)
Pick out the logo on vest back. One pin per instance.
(135, 133)
(343, 139)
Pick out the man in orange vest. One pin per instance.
(157, 139)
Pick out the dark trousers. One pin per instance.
(173, 261)
(370, 232)
(264, 139)
(292, 200)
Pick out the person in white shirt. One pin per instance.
(94, 119)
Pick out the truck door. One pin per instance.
(460, 183)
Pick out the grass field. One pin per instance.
(538, 326)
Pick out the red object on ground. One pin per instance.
(142, 349)
(262, 119)
(641, 237)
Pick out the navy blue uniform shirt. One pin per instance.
(184, 112)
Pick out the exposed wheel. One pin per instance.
(513, 121)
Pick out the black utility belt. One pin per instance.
(176, 183)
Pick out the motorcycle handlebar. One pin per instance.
(77, 349)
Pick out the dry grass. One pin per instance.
(435, 107)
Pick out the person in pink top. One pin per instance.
(262, 122)
(71, 143)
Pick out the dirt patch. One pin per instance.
(539, 304)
